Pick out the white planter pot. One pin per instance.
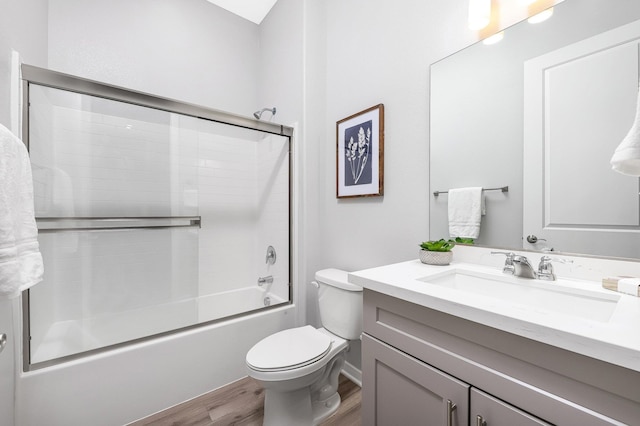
(435, 257)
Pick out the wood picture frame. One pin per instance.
(360, 154)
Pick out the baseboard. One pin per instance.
(352, 373)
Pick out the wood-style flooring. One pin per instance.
(242, 403)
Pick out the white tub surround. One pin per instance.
(611, 336)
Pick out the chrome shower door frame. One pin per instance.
(70, 83)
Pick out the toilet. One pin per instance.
(299, 367)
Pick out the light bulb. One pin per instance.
(540, 17)
(494, 38)
(479, 14)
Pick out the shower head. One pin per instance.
(258, 114)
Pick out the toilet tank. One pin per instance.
(340, 303)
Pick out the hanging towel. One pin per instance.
(20, 260)
(626, 158)
(465, 212)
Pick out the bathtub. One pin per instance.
(228, 303)
(125, 384)
(69, 337)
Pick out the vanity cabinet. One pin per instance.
(406, 391)
(422, 366)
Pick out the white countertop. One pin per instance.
(616, 340)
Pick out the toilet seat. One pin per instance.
(289, 349)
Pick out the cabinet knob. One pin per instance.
(480, 421)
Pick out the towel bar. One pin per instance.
(56, 224)
(502, 188)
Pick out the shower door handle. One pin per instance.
(3, 341)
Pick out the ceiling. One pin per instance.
(253, 10)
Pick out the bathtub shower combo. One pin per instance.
(154, 216)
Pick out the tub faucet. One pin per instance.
(265, 280)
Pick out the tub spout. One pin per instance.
(265, 280)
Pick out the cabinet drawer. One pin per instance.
(489, 411)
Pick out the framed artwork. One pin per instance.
(360, 154)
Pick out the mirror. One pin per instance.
(542, 112)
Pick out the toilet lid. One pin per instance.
(288, 349)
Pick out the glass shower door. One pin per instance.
(115, 192)
(149, 222)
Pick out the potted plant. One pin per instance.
(436, 252)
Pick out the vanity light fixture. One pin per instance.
(541, 17)
(626, 157)
(479, 14)
(494, 38)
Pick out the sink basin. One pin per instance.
(548, 296)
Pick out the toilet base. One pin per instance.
(287, 409)
(295, 408)
(322, 410)
(309, 405)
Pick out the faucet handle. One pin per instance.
(509, 267)
(509, 254)
(547, 260)
(271, 256)
(545, 268)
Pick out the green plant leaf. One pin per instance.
(440, 245)
(461, 240)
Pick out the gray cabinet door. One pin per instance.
(400, 390)
(489, 411)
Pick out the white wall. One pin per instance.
(281, 79)
(379, 52)
(190, 50)
(23, 28)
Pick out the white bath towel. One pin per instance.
(20, 260)
(626, 158)
(465, 212)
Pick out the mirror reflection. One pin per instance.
(542, 112)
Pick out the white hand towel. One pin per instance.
(20, 260)
(626, 158)
(465, 212)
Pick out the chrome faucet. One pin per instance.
(523, 267)
(517, 265)
(265, 280)
(271, 256)
(545, 269)
(509, 267)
